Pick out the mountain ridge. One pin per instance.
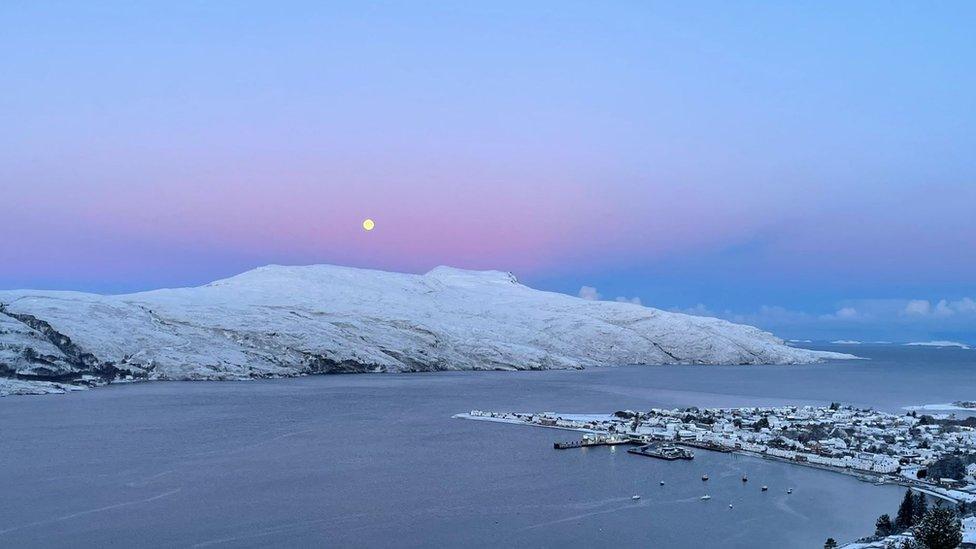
(278, 320)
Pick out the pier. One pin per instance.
(593, 440)
(667, 452)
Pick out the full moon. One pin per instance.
(368, 224)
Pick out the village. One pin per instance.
(934, 454)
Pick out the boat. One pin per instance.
(730, 506)
(636, 497)
(704, 477)
(790, 491)
(745, 478)
(662, 483)
(706, 497)
(764, 488)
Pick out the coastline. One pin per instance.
(863, 476)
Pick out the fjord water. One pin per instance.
(377, 460)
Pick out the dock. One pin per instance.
(591, 441)
(667, 452)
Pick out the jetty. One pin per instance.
(592, 440)
(667, 452)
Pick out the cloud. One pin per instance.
(634, 300)
(589, 293)
(918, 307)
(697, 310)
(863, 319)
(965, 305)
(942, 308)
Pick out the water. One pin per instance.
(377, 461)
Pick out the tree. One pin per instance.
(883, 527)
(939, 529)
(948, 467)
(921, 507)
(906, 512)
(830, 544)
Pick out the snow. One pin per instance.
(896, 540)
(22, 387)
(284, 321)
(969, 530)
(938, 344)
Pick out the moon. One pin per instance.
(368, 224)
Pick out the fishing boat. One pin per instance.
(636, 497)
(706, 497)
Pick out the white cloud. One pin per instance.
(589, 293)
(697, 310)
(964, 305)
(864, 319)
(918, 307)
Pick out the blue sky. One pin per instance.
(774, 163)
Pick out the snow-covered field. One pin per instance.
(285, 321)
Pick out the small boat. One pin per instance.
(662, 483)
(704, 477)
(745, 478)
(706, 497)
(764, 488)
(636, 497)
(730, 506)
(790, 491)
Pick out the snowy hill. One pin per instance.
(284, 321)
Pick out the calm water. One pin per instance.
(377, 461)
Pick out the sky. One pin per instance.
(808, 170)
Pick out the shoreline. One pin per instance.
(863, 476)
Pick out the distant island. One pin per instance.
(322, 319)
(938, 344)
(957, 406)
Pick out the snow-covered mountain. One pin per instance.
(284, 321)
